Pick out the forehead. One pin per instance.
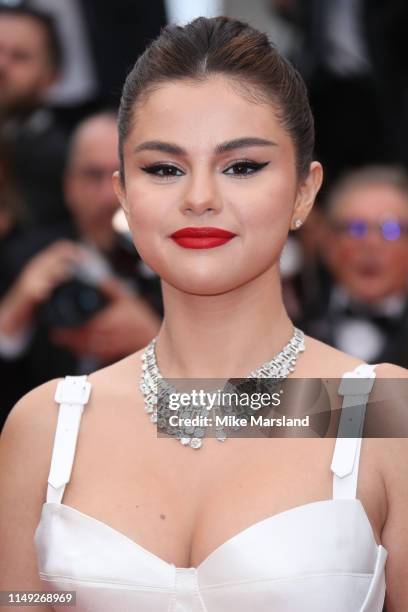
(201, 114)
(371, 201)
(22, 31)
(96, 143)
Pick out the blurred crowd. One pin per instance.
(74, 293)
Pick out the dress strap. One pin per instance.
(72, 394)
(355, 386)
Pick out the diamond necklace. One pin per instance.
(156, 404)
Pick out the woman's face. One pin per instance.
(247, 190)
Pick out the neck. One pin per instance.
(226, 335)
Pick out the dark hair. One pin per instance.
(232, 48)
(24, 9)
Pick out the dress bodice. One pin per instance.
(315, 557)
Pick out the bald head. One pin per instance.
(89, 132)
(393, 178)
(92, 159)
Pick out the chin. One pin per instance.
(208, 282)
(203, 287)
(371, 294)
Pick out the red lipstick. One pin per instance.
(201, 237)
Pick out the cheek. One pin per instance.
(345, 252)
(339, 256)
(25, 76)
(396, 259)
(265, 216)
(142, 209)
(145, 219)
(79, 194)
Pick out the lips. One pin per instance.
(368, 268)
(201, 237)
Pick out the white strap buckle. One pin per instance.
(73, 390)
(359, 382)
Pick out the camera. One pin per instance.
(72, 304)
(76, 301)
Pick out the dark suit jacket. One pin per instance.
(118, 33)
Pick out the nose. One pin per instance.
(201, 195)
(373, 239)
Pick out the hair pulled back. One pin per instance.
(222, 45)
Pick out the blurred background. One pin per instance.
(74, 293)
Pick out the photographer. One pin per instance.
(80, 301)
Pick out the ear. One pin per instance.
(120, 192)
(306, 195)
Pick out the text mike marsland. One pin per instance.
(235, 421)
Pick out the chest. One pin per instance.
(182, 504)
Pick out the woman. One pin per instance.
(215, 131)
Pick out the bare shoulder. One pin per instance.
(323, 360)
(117, 381)
(32, 416)
(326, 361)
(26, 445)
(395, 393)
(390, 370)
(27, 437)
(31, 424)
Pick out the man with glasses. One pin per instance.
(365, 248)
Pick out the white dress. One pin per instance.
(318, 557)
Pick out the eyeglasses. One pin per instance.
(390, 229)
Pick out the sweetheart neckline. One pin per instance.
(255, 525)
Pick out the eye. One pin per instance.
(167, 169)
(243, 166)
(242, 169)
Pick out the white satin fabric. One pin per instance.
(316, 557)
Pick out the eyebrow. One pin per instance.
(229, 145)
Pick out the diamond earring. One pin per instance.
(297, 223)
